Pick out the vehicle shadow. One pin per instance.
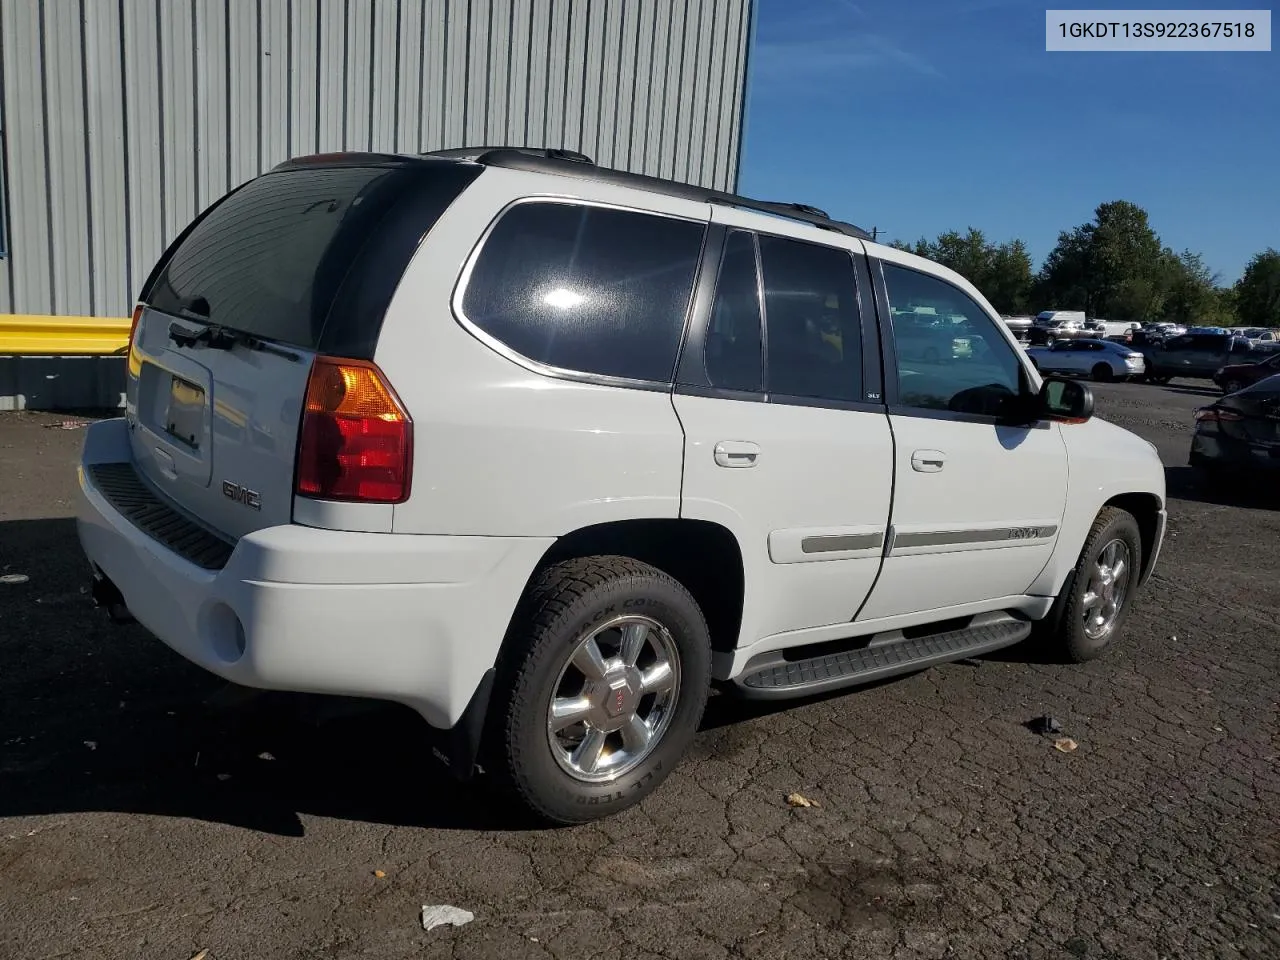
(98, 717)
(1185, 483)
(1191, 389)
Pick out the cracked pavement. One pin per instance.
(146, 810)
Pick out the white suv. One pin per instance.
(542, 450)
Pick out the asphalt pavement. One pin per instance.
(149, 811)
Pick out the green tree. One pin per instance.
(1114, 267)
(1192, 296)
(1066, 280)
(1001, 271)
(1010, 281)
(1227, 307)
(1257, 293)
(968, 254)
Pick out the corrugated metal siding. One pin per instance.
(122, 119)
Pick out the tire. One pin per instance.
(591, 600)
(1063, 634)
(1233, 386)
(1102, 372)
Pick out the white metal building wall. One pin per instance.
(122, 119)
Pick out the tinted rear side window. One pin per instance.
(272, 258)
(587, 289)
(812, 320)
(732, 352)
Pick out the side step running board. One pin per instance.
(772, 676)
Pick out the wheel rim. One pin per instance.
(614, 698)
(1234, 386)
(1108, 587)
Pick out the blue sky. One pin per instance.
(927, 115)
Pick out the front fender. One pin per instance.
(1104, 462)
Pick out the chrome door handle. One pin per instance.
(928, 461)
(737, 453)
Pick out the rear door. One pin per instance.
(1074, 356)
(786, 441)
(301, 260)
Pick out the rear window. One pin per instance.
(274, 257)
(587, 289)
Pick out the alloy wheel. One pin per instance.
(614, 698)
(1107, 589)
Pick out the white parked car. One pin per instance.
(1061, 320)
(1099, 359)
(541, 449)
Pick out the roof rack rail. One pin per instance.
(791, 211)
(479, 153)
(569, 163)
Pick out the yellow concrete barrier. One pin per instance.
(62, 336)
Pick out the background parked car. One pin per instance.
(1118, 329)
(1020, 327)
(1061, 319)
(1164, 329)
(1196, 355)
(1099, 359)
(1236, 376)
(1239, 434)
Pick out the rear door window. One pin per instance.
(812, 322)
(732, 353)
(272, 258)
(587, 289)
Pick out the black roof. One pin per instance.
(569, 163)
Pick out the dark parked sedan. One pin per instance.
(1237, 376)
(1239, 435)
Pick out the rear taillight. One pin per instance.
(357, 439)
(1216, 415)
(135, 364)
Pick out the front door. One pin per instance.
(977, 505)
(782, 447)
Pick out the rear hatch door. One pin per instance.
(300, 261)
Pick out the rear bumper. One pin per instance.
(408, 618)
(1219, 453)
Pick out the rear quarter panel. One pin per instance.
(500, 449)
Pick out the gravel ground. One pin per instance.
(148, 811)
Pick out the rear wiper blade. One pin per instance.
(210, 334)
(217, 337)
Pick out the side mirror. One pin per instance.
(1067, 401)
